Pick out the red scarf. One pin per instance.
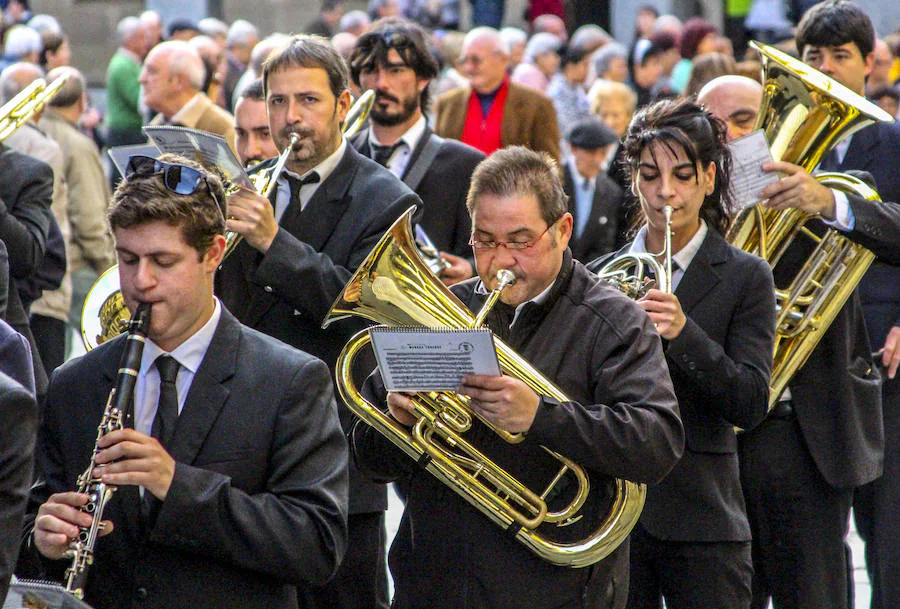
(484, 133)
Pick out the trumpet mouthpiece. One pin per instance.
(505, 278)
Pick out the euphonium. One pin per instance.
(116, 416)
(636, 283)
(104, 314)
(804, 114)
(393, 286)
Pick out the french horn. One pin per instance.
(804, 114)
(395, 287)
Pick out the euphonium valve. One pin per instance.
(394, 287)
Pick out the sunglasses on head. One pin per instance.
(180, 179)
(391, 40)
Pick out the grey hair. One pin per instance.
(263, 48)
(212, 27)
(241, 32)
(127, 28)
(72, 91)
(489, 34)
(589, 37)
(513, 36)
(354, 19)
(45, 23)
(540, 44)
(185, 60)
(11, 85)
(604, 56)
(21, 40)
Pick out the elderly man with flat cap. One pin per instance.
(595, 201)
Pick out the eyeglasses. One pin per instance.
(180, 179)
(510, 245)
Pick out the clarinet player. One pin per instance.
(717, 324)
(232, 483)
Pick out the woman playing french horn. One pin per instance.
(692, 543)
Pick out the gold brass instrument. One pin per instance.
(19, 110)
(117, 415)
(394, 287)
(104, 313)
(628, 272)
(804, 114)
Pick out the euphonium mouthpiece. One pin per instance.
(505, 278)
(295, 141)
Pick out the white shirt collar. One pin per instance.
(684, 256)
(326, 167)
(191, 352)
(410, 138)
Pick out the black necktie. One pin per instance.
(297, 183)
(167, 407)
(383, 154)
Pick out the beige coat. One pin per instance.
(91, 242)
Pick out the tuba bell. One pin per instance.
(804, 114)
(395, 287)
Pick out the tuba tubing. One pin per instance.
(393, 286)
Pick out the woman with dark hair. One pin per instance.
(55, 52)
(698, 38)
(692, 543)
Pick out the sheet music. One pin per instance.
(120, 154)
(748, 153)
(423, 359)
(209, 150)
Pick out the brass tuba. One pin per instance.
(804, 114)
(394, 287)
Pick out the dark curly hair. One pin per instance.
(683, 124)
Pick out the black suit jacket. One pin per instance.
(26, 191)
(607, 224)
(720, 366)
(876, 149)
(443, 190)
(287, 292)
(258, 502)
(18, 426)
(837, 393)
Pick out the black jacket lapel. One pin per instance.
(701, 276)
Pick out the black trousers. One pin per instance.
(361, 580)
(799, 522)
(876, 508)
(689, 575)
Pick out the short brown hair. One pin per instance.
(306, 51)
(518, 171)
(142, 199)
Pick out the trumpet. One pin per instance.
(104, 313)
(630, 272)
(19, 110)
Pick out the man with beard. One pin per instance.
(393, 60)
(251, 126)
(331, 206)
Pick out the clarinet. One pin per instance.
(116, 415)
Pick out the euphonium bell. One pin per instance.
(394, 287)
(804, 114)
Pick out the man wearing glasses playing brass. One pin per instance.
(620, 418)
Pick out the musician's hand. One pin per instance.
(129, 457)
(665, 312)
(505, 401)
(401, 408)
(459, 269)
(57, 523)
(252, 216)
(890, 353)
(798, 189)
